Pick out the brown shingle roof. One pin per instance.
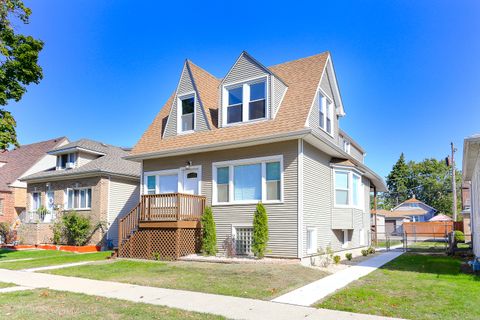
(301, 76)
(18, 161)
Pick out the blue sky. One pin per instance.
(409, 71)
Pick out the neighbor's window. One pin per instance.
(256, 109)
(36, 200)
(222, 183)
(1, 207)
(79, 198)
(187, 117)
(348, 189)
(246, 102)
(250, 182)
(311, 240)
(235, 105)
(66, 160)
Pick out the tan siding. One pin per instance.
(83, 158)
(171, 127)
(357, 154)
(278, 91)
(282, 217)
(244, 69)
(123, 196)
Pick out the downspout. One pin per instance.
(300, 200)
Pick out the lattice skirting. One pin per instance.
(163, 244)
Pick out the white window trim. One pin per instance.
(245, 84)
(315, 240)
(231, 164)
(347, 146)
(322, 105)
(66, 198)
(75, 160)
(351, 173)
(180, 178)
(179, 112)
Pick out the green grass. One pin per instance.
(50, 260)
(6, 254)
(259, 281)
(6, 285)
(413, 286)
(383, 244)
(48, 304)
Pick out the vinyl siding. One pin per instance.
(186, 86)
(83, 158)
(357, 154)
(282, 217)
(314, 116)
(278, 90)
(123, 196)
(475, 209)
(318, 207)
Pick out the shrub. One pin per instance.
(371, 250)
(229, 247)
(73, 228)
(336, 259)
(260, 231)
(7, 235)
(348, 256)
(364, 252)
(209, 235)
(459, 236)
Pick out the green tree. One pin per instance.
(18, 65)
(209, 235)
(397, 183)
(260, 231)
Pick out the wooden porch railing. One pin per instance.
(172, 207)
(128, 224)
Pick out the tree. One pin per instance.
(260, 231)
(209, 235)
(397, 183)
(18, 65)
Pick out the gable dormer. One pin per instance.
(249, 92)
(186, 114)
(327, 106)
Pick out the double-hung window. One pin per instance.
(187, 116)
(246, 102)
(66, 161)
(325, 109)
(348, 189)
(36, 200)
(248, 181)
(80, 198)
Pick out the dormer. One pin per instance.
(66, 161)
(76, 154)
(249, 92)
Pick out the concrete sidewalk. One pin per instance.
(311, 293)
(229, 307)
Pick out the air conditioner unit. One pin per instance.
(69, 165)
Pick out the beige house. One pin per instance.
(89, 177)
(259, 134)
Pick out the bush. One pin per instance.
(364, 252)
(336, 259)
(348, 256)
(260, 231)
(371, 250)
(6, 233)
(73, 229)
(209, 235)
(459, 236)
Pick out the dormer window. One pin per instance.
(325, 108)
(187, 113)
(66, 161)
(245, 102)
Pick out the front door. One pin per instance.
(50, 207)
(190, 181)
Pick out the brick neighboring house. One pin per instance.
(91, 178)
(14, 165)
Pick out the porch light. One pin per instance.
(188, 164)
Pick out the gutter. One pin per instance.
(78, 176)
(221, 145)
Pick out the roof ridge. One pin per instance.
(39, 142)
(327, 52)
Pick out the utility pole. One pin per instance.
(454, 187)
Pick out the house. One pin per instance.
(380, 223)
(88, 177)
(259, 134)
(411, 210)
(441, 217)
(18, 163)
(471, 175)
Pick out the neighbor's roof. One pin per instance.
(19, 160)
(301, 76)
(396, 214)
(112, 163)
(441, 217)
(413, 200)
(82, 144)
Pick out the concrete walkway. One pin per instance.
(311, 293)
(59, 266)
(229, 307)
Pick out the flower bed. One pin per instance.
(79, 249)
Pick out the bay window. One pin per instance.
(248, 181)
(348, 189)
(187, 118)
(79, 198)
(245, 102)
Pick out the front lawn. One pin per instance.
(49, 259)
(259, 281)
(7, 254)
(48, 304)
(5, 285)
(413, 286)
